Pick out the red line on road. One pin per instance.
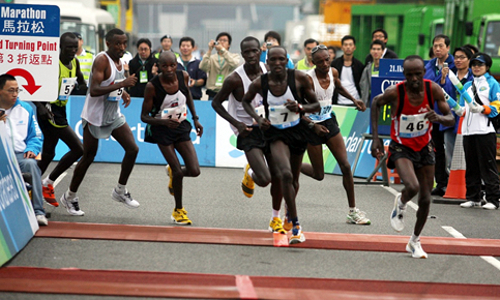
(214, 286)
(315, 240)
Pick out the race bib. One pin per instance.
(324, 113)
(261, 111)
(178, 113)
(413, 125)
(281, 117)
(67, 86)
(116, 95)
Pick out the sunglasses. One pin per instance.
(317, 48)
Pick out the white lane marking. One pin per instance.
(59, 179)
(489, 259)
(395, 193)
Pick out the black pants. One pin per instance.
(480, 161)
(440, 170)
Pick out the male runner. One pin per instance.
(325, 80)
(53, 121)
(166, 100)
(249, 136)
(283, 92)
(411, 150)
(102, 118)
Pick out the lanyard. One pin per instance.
(143, 64)
(223, 61)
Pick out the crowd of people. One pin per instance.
(277, 109)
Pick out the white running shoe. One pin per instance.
(490, 206)
(397, 221)
(471, 204)
(358, 217)
(42, 220)
(125, 199)
(72, 207)
(416, 250)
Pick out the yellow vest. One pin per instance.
(86, 65)
(157, 55)
(64, 72)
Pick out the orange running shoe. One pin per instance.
(49, 196)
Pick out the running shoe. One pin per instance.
(49, 196)
(397, 221)
(471, 204)
(42, 220)
(125, 198)
(276, 225)
(170, 182)
(287, 224)
(358, 217)
(179, 217)
(416, 250)
(490, 206)
(71, 206)
(297, 235)
(247, 184)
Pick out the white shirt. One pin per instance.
(347, 81)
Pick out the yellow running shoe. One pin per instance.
(170, 185)
(179, 217)
(287, 225)
(247, 184)
(276, 225)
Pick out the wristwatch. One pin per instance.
(310, 125)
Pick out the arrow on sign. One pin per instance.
(31, 87)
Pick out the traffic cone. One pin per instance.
(456, 181)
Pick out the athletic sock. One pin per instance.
(120, 189)
(276, 213)
(414, 238)
(47, 181)
(250, 173)
(352, 210)
(401, 205)
(295, 221)
(70, 196)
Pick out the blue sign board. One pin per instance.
(29, 20)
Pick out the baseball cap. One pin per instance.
(166, 36)
(479, 58)
(78, 35)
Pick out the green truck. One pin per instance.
(411, 27)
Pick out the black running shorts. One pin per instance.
(419, 159)
(294, 137)
(165, 136)
(255, 139)
(331, 124)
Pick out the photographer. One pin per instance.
(219, 65)
(273, 39)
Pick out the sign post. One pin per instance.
(29, 48)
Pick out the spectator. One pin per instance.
(85, 58)
(377, 48)
(26, 136)
(480, 136)
(431, 53)
(462, 58)
(472, 48)
(381, 35)
(218, 65)
(444, 137)
(187, 62)
(144, 65)
(332, 50)
(166, 45)
(350, 70)
(273, 39)
(306, 63)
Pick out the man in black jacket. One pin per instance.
(144, 66)
(381, 35)
(350, 70)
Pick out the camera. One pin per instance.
(216, 43)
(445, 65)
(269, 44)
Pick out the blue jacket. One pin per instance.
(27, 134)
(289, 65)
(194, 71)
(434, 74)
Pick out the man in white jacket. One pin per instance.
(26, 136)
